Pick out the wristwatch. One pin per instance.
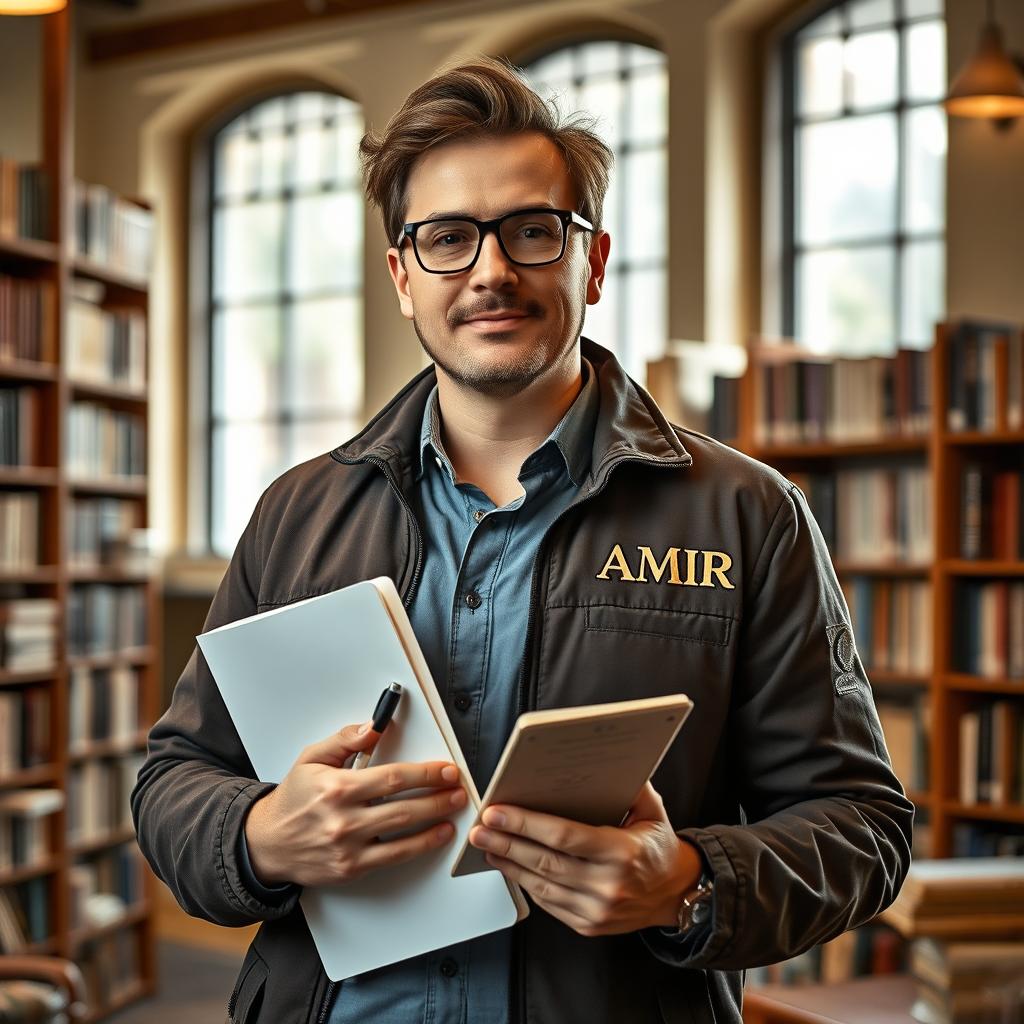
(695, 906)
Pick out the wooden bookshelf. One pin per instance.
(949, 692)
(55, 264)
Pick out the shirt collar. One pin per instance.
(572, 437)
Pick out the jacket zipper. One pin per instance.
(525, 698)
(406, 601)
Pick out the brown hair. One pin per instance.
(485, 96)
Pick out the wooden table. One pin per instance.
(885, 999)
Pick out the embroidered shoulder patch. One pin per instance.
(843, 657)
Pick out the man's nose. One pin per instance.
(492, 268)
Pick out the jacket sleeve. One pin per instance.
(826, 841)
(197, 783)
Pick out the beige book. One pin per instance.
(585, 763)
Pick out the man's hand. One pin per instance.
(598, 881)
(321, 827)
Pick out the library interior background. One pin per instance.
(817, 223)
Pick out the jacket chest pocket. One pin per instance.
(682, 626)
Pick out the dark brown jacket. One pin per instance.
(681, 566)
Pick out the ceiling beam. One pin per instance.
(221, 24)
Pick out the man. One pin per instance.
(556, 542)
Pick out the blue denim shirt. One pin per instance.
(469, 614)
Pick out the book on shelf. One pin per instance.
(112, 230)
(992, 753)
(892, 623)
(24, 729)
(24, 915)
(989, 839)
(19, 424)
(906, 727)
(975, 349)
(99, 791)
(28, 319)
(102, 532)
(103, 705)
(110, 967)
(106, 618)
(24, 828)
(105, 345)
(19, 530)
(24, 200)
(28, 633)
(104, 442)
(989, 638)
(991, 512)
(105, 885)
(842, 399)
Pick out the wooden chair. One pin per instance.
(41, 990)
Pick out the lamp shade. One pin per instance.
(989, 84)
(31, 6)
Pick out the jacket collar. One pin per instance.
(629, 424)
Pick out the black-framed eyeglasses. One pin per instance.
(532, 237)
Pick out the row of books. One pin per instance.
(19, 425)
(98, 797)
(28, 633)
(843, 400)
(105, 345)
(976, 348)
(24, 915)
(105, 885)
(100, 532)
(28, 319)
(989, 636)
(19, 530)
(104, 442)
(110, 966)
(992, 753)
(24, 200)
(25, 826)
(967, 982)
(892, 623)
(103, 705)
(24, 729)
(112, 230)
(105, 618)
(873, 515)
(991, 512)
(906, 726)
(972, 840)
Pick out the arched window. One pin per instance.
(864, 177)
(624, 85)
(285, 313)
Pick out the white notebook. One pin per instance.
(289, 677)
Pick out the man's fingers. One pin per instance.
(337, 748)
(542, 860)
(388, 779)
(567, 905)
(398, 851)
(584, 841)
(396, 815)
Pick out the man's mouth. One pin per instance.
(503, 320)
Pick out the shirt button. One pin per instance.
(449, 968)
(463, 702)
(440, 464)
(474, 600)
(479, 514)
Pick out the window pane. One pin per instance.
(847, 179)
(603, 99)
(610, 217)
(926, 61)
(644, 184)
(327, 351)
(648, 105)
(871, 60)
(829, 23)
(820, 87)
(644, 56)
(273, 157)
(348, 131)
(308, 106)
(246, 361)
(310, 163)
(924, 291)
(922, 8)
(600, 58)
(236, 166)
(247, 250)
(870, 13)
(845, 301)
(326, 242)
(557, 65)
(925, 170)
(601, 322)
(310, 438)
(269, 115)
(246, 457)
(645, 291)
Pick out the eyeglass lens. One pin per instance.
(452, 244)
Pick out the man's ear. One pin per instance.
(400, 277)
(597, 257)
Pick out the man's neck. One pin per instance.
(487, 439)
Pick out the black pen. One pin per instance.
(382, 714)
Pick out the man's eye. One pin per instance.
(449, 238)
(535, 231)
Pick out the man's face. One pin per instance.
(485, 178)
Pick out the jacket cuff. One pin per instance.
(237, 877)
(699, 945)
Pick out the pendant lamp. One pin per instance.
(32, 6)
